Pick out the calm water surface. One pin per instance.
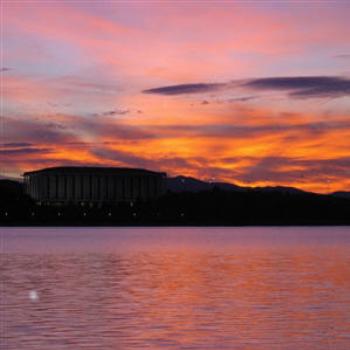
(178, 288)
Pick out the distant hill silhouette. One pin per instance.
(189, 184)
(10, 190)
(341, 194)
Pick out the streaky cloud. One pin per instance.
(295, 87)
(283, 169)
(25, 151)
(131, 159)
(15, 144)
(111, 113)
(182, 89)
(304, 86)
(242, 99)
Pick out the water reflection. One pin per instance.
(185, 289)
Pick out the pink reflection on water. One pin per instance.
(249, 288)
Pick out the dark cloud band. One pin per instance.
(297, 87)
(185, 89)
(25, 151)
(318, 86)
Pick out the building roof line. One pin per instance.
(87, 169)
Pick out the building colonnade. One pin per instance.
(81, 187)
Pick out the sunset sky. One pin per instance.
(249, 92)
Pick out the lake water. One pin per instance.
(175, 288)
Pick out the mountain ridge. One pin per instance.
(190, 184)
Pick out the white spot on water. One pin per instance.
(33, 295)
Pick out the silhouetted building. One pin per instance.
(93, 185)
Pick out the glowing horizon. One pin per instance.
(251, 93)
